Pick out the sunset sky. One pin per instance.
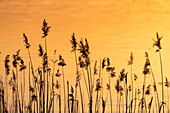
(114, 29)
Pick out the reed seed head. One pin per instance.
(103, 63)
(147, 65)
(130, 62)
(135, 77)
(7, 66)
(167, 83)
(57, 85)
(84, 48)
(40, 50)
(58, 74)
(81, 63)
(27, 44)
(74, 43)
(98, 85)
(45, 28)
(157, 42)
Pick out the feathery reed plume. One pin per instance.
(157, 43)
(41, 52)
(7, 66)
(122, 75)
(103, 63)
(27, 44)
(84, 48)
(45, 28)
(130, 62)
(74, 43)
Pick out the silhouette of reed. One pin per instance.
(157, 43)
(48, 92)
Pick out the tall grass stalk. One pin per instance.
(110, 95)
(143, 94)
(130, 62)
(68, 103)
(157, 43)
(52, 92)
(168, 99)
(155, 87)
(162, 79)
(64, 90)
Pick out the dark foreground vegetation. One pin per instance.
(47, 91)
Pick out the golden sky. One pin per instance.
(114, 28)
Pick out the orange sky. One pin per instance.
(113, 29)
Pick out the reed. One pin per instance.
(157, 43)
(44, 83)
(130, 62)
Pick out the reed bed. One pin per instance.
(49, 92)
